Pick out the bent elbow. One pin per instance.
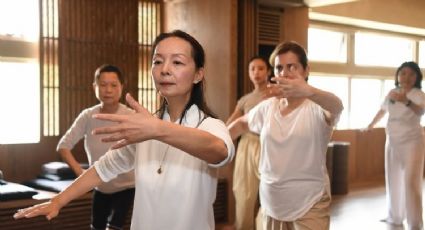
(221, 155)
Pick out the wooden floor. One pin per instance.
(361, 209)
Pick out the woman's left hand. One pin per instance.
(132, 128)
(398, 96)
(293, 85)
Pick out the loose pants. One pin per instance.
(317, 218)
(404, 160)
(246, 181)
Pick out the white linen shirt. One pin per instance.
(293, 157)
(94, 146)
(182, 196)
(402, 122)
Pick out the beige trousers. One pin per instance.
(317, 218)
(246, 181)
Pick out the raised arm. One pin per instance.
(141, 126)
(402, 98)
(328, 101)
(86, 182)
(196, 142)
(298, 87)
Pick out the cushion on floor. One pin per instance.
(14, 191)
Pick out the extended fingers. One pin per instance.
(113, 138)
(28, 212)
(278, 80)
(274, 91)
(134, 104)
(20, 213)
(108, 130)
(120, 144)
(109, 117)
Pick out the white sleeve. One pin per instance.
(257, 114)
(420, 99)
(115, 162)
(75, 133)
(218, 128)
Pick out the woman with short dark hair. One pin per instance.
(405, 146)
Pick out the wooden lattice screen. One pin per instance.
(92, 33)
(247, 42)
(78, 36)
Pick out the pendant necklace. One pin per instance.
(159, 170)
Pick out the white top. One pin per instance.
(402, 121)
(182, 196)
(293, 157)
(94, 147)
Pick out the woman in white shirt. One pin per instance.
(175, 154)
(295, 126)
(111, 201)
(405, 147)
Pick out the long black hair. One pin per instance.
(266, 62)
(197, 96)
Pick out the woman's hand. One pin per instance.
(398, 96)
(132, 128)
(367, 129)
(292, 85)
(49, 209)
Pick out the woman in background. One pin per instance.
(246, 177)
(112, 200)
(405, 147)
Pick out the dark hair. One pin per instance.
(293, 47)
(412, 65)
(258, 57)
(108, 68)
(197, 96)
(266, 62)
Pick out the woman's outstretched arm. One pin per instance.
(83, 184)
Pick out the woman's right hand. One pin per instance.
(129, 129)
(367, 129)
(49, 209)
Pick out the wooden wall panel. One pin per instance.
(91, 33)
(295, 25)
(23, 162)
(405, 12)
(366, 154)
(214, 25)
(247, 43)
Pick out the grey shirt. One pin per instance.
(94, 147)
